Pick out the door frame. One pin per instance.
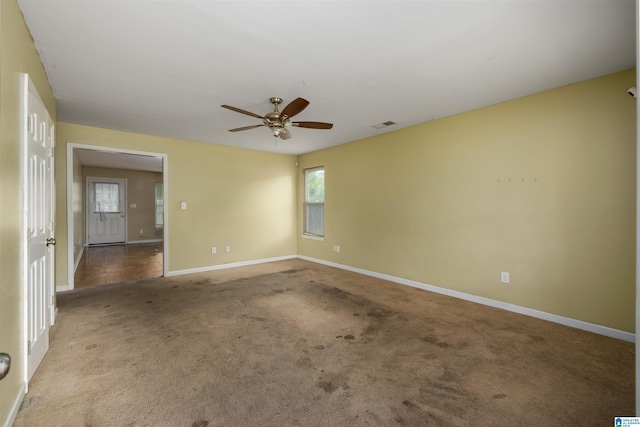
(71, 262)
(125, 205)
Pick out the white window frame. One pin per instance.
(305, 233)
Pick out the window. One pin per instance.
(314, 201)
(107, 197)
(159, 206)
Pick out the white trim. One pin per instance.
(77, 260)
(71, 268)
(15, 407)
(139, 242)
(229, 265)
(578, 324)
(165, 211)
(313, 237)
(24, 249)
(165, 181)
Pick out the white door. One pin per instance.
(106, 210)
(39, 204)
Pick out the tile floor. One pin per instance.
(102, 265)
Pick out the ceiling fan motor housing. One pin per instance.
(273, 120)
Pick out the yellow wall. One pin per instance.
(141, 192)
(237, 197)
(542, 187)
(17, 55)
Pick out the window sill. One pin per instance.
(312, 237)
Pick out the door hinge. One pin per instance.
(28, 348)
(29, 123)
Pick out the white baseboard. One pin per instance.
(15, 407)
(566, 321)
(229, 265)
(78, 258)
(138, 242)
(578, 324)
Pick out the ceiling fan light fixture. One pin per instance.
(277, 121)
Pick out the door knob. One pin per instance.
(5, 364)
(51, 241)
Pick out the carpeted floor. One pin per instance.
(295, 343)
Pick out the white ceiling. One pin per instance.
(165, 67)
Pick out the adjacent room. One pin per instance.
(118, 234)
(318, 213)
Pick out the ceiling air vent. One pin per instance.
(383, 124)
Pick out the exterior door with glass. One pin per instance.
(106, 210)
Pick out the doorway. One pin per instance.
(103, 246)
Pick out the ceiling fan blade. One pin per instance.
(313, 125)
(294, 107)
(285, 134)
(239, 110)
(244, 128)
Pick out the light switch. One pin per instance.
(183, 205)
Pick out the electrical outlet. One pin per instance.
(504, 277)
(336, 248)
(213, 250)
(141, 231)
(227, 248)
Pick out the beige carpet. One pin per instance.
(295, 343)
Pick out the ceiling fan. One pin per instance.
(278, 121)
